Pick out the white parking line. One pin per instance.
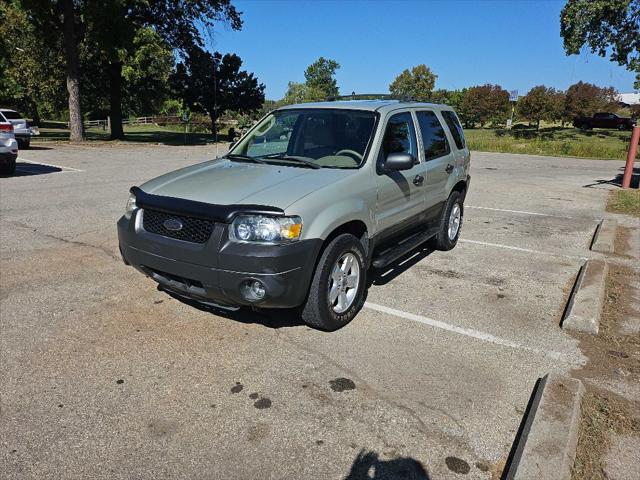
(20, 159)
(467, 332)
(524, 212)
(520, 249)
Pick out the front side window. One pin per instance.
(332, 138)
(433, 136)
(400, 136)
(455, 128)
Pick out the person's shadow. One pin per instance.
(368, 466)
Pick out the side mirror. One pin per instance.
(399, 161)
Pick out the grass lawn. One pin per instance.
(135, 133)
(554, 141)
(624, 201)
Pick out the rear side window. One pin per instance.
(11, 115)
(2, 119)
(400, 136)
(433, 136)
(454, 126)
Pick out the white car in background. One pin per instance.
(21, 128)
(8, 147)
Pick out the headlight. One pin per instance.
(259, 228)
(131, 206)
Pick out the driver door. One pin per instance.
(401, 195)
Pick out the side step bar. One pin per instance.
(391, 254)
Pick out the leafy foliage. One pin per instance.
(32, 75)
(584, 99)
(417, 84)
(214, 83)
(541, 103)
(606, 27)
(484, 104)
(320, 77)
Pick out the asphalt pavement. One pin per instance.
(104, 376)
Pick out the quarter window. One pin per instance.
(400, 136)
(433, 137)
(456, 129)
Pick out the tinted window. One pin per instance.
(11, 115)
(433, 136)
(455, 128)
(400, 136)
(2, 119)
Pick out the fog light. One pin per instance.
(253, 290)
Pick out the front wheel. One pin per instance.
(450, 223)
(338, 286)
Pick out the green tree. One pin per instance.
(541, 103)
(215, 84)
(146, 74)
(417, 84)
(32, 70)
(607, 27)
(584, 99)
(483, 104)
(320, 77)
(301, 93)
(113, 26)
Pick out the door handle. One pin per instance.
(417, 180)
(449, 168)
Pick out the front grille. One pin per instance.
(195, 230)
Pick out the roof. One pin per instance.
(367, 105)
(629, 98)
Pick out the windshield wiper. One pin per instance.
(281, 156)
(238, 156)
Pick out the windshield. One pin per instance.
(333, 138)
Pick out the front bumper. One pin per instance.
(216, 270)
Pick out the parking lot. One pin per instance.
(104, 376)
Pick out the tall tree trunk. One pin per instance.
(73, 77)
(115, 100)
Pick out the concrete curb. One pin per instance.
(545, 446)
(584, 306)
(604, 239)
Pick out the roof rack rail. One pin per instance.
(371, 96)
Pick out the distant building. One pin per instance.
(629, 99)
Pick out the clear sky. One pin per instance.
(513, 43)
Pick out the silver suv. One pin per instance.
(302, 207)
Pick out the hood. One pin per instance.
(225, 182)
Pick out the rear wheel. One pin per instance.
(338, 286)
(450, 223)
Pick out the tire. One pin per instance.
(8, 168)
(442, 241)
(319, 311)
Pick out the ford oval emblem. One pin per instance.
(172, 224)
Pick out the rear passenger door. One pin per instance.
(401, 195)
(439, 160)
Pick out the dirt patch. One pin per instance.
(623, 242)
(613, 357)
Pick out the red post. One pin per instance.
(631, 156)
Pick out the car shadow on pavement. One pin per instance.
(368, 466)
(36, 147)
(24, 169)
(617, 180)
(271, 318)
